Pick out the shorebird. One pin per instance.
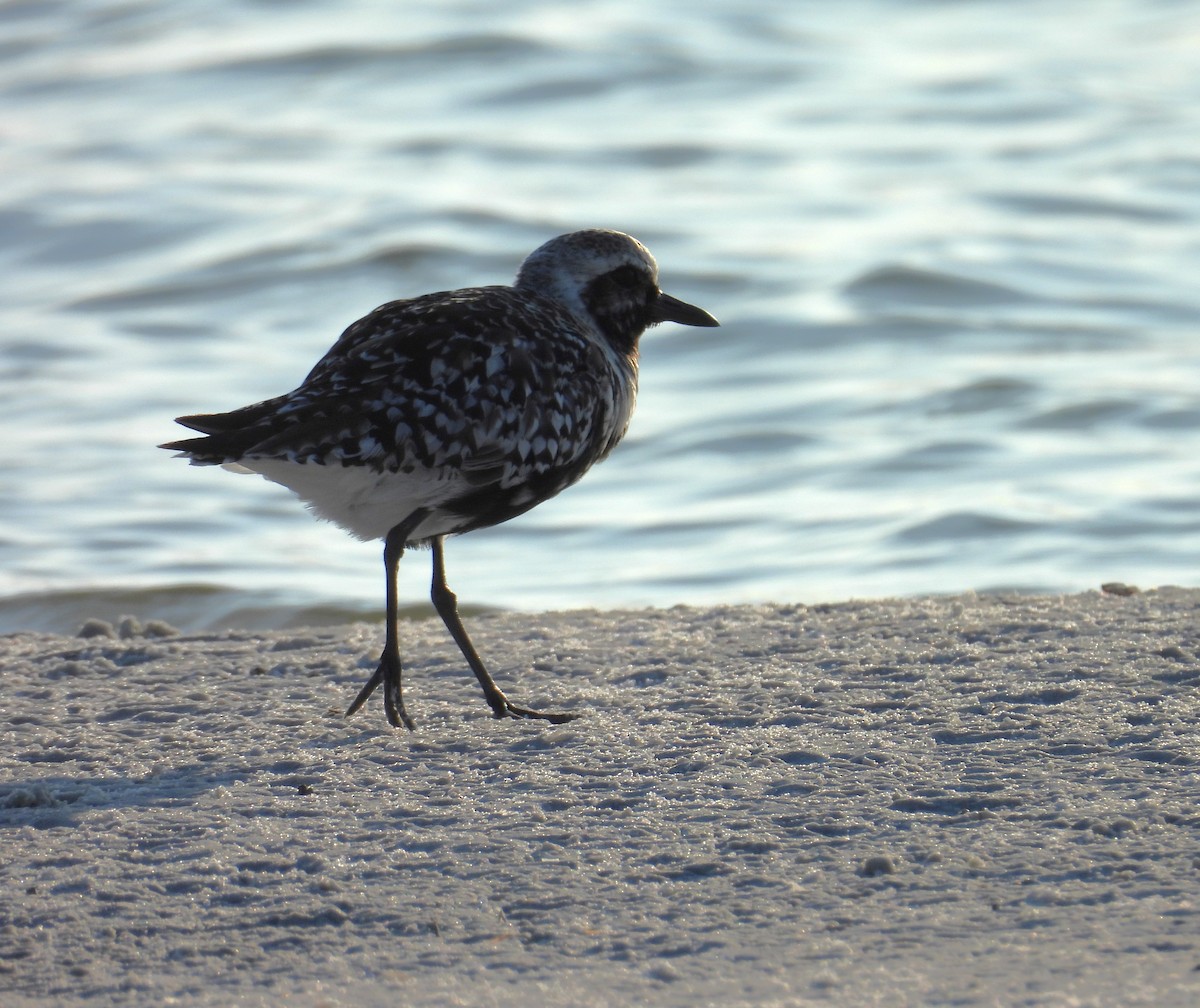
(455, 411)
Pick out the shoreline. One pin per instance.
(976, 799)
(209, 607)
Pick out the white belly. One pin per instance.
(366, 504)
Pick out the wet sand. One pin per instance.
(969, 800)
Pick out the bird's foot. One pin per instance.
(396, 714)
(393, 699)
(511, 710)
(387, 675)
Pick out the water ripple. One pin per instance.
(909, 285)
(963, 526)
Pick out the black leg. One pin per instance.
(446, 604)
(388, 673)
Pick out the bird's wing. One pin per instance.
(443, 381)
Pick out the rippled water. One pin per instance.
(954, 248)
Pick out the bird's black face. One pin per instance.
(626, 301)
(622, 303)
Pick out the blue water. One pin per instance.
(954, 248)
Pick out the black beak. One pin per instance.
(669, 309)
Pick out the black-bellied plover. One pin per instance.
(454, 411)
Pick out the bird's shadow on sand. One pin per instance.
(47, 802)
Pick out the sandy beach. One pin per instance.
(969, 800)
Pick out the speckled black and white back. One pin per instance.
(473, 404)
